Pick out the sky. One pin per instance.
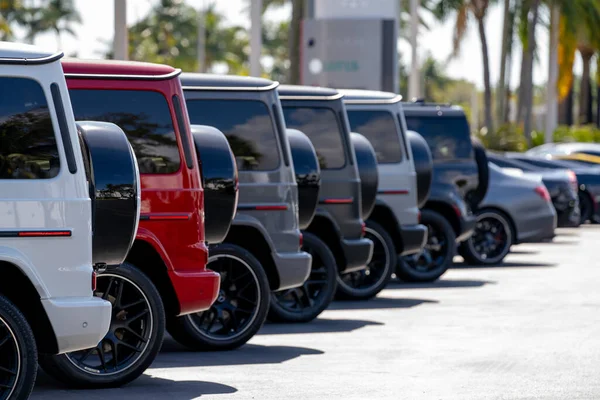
(97, 29)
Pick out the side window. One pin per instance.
(145, 118)
(380, 128)
(248, 126)
(322, 127)
(28, 148)
(448, 137)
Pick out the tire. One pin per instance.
(491, 240)
(196, 330)
(366, 284)
(586, 207)
(305, 303)
(18, 353)
(140, 342)
(436, 258)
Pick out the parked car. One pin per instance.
(516, 209)
(339, 220)
(262, 251)
(394, 224)
(588, 179)
(561, 184)
(62, 221)
(460, 182)
(165, 273)
(582, 153)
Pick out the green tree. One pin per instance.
(169, 35)
(57, 16)
(462, 10)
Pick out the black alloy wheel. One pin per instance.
(133, 340)
(18, 354)
(305, 303)
(491, 240)
(437, 255)
(367, 283)
(240, 309)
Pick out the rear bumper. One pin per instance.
(467, 225)
(78, 322)
(569, 217)
(357, 252)
(414, 238)
(293, 269)
(196, 291)
(537, 229)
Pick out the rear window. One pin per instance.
(28, 147)
(380, 128)
(143, 115)
(248, 126)
(322, 127)
(448, 137)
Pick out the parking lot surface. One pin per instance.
(528, 329)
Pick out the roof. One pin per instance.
(195, 81)
(297, 92)
(357, 96)
(115, 69)
(17, 53)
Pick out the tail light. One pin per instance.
(419, 217)
(301, 240)
(457, 210)
(543, 192)
(363, 229)
(93, 281)
(573, 180)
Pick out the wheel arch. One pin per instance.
(144, 256)
(447, 211)
(327, 230)
(16, 286)
(240, 233)
(384, 216)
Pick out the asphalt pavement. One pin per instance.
(527, 329)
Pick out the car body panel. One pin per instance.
(172, 218)
(533, 218)
(268, 200)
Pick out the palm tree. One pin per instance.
(504, 59)
(462, 10)
(11, 11)
(58, 16)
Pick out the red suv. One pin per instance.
(165, 273)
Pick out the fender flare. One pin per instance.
(250, 221)
(20, 260)
(145, 235)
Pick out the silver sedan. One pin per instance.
(516, 209)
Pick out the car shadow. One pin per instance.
(143, 388)
(439, 284)
(506, 264)
(175, 355)
(524, 252)
(319, 325)
(378, 303)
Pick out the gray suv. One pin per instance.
(261, 252)
(321, 115)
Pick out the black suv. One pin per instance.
(460, 181)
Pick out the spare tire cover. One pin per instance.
(114, 181)
(308, 175)
(220, 180)
(476, 197)
(423, 166)
(366, 160)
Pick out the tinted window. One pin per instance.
(380, 128)
(321, 126)
(27, 143)
(248, 127)
(448, 137)
(145, 118)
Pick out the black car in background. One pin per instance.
(561, 184)
(588, 178)
(459, 183)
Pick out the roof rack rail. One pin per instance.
(423, 102)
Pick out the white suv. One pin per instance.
(50, 193)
